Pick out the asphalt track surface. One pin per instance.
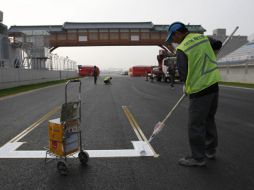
(106, 127)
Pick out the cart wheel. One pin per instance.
(62, 168)
(83, 157)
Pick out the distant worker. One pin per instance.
(197, 66)
(146, 75)
(95, 74)
(107, 80)
(171, 71)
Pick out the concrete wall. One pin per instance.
(243, 73)
(11, 77)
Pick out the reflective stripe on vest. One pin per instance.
(202, 65)
(106, 78)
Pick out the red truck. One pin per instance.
(137, 71)
(87, 70)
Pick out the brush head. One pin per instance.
(158, 127)
(151, 138)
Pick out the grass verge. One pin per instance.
(238, 84)
(19, 89)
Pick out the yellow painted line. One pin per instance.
(137, 129)
(35, 124)
(125, 109)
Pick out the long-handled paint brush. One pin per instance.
(226, 41)
(159, 126)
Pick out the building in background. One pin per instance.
(234, 43)
(33, 45)
(239, 56)
(26, 59)
(251, 37)
(4, 43)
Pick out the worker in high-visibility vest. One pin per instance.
(95, 74)
(197, 66)
(107, 80)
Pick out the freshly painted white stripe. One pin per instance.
(143, 148)
(9, 151)
(10, 147)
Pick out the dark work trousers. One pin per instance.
(95, 79)
(201, 125)
(107, 81)
(172, 78)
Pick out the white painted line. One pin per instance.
(145, 148)
(9, 151)
(10, 147)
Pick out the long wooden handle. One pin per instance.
(171, 111)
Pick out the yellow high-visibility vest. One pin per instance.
(202, 66)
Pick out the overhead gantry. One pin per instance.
(100, 34)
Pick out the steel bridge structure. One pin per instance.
(97, 34)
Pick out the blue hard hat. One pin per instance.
(173, 28)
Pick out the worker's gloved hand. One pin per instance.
(184, 92)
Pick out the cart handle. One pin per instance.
(69, 81)
(79, 96)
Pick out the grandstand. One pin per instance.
(240, 56)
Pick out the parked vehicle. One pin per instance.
(166, 61)
(169, 64)
(124, 73)
(137, 71)
(156, 73)
(87, 70)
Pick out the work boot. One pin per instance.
(210, 156)
(189, 161)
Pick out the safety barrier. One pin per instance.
(11, 77)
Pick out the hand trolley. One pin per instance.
(65, 134)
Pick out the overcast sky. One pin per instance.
(211, 14)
